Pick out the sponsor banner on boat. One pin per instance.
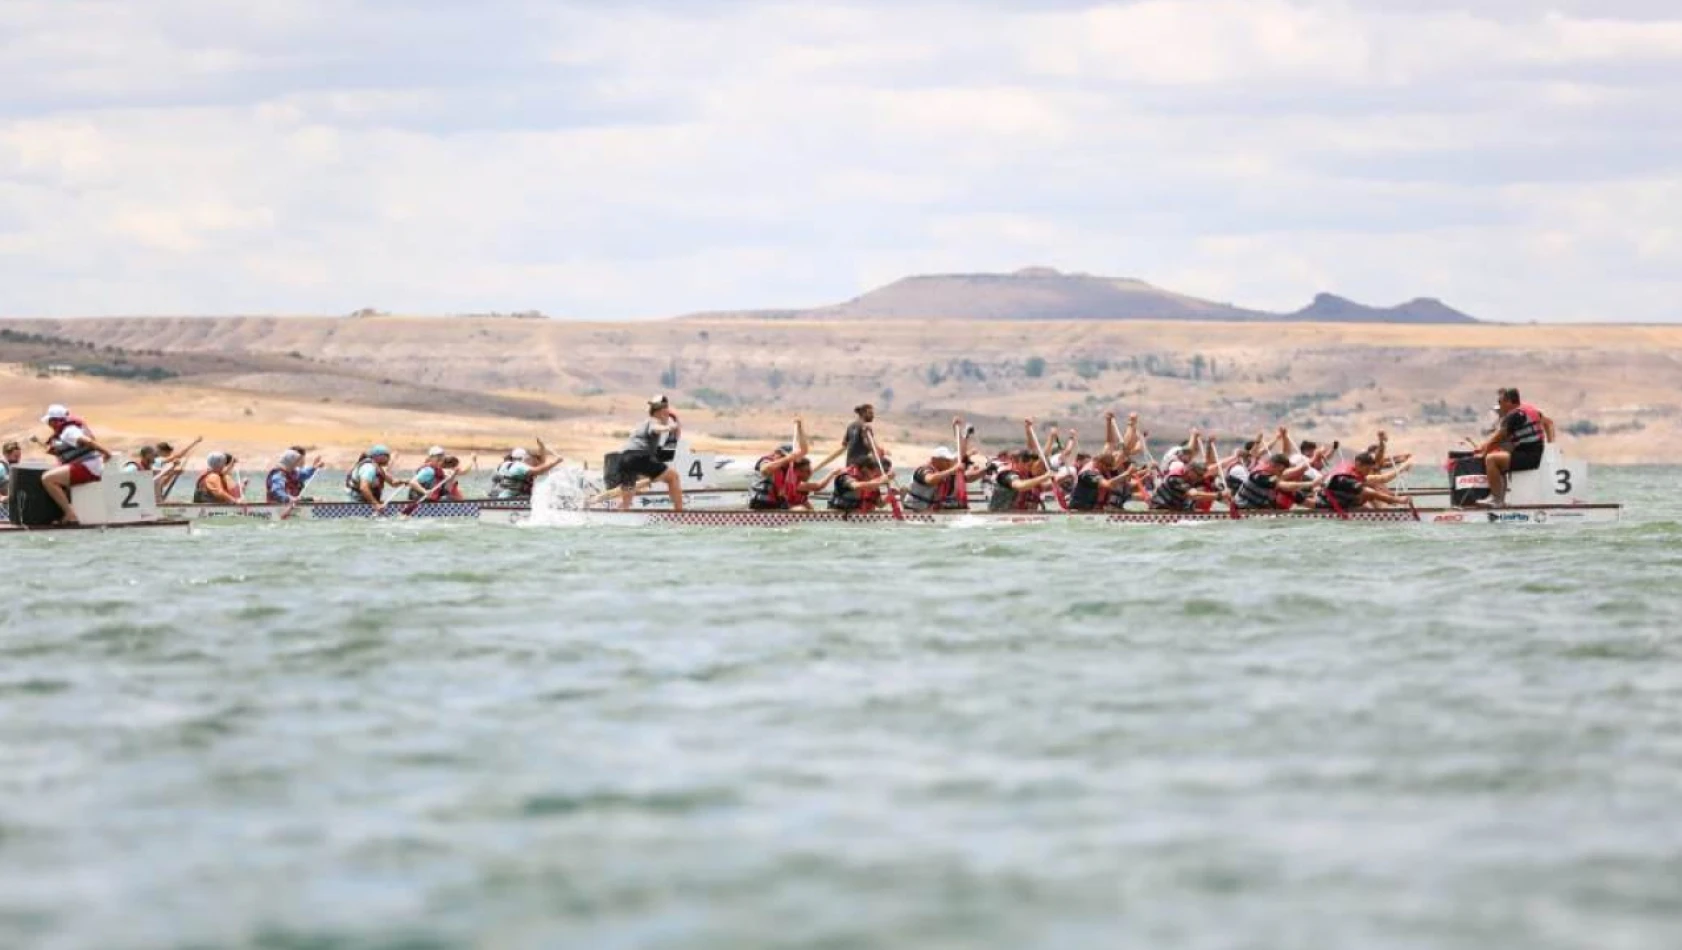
(342, 511)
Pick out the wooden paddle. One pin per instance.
(893, 493)
(293, 505)
(963, 466)
(1056, 489)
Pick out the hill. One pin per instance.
(1041, 293)
(484, 382)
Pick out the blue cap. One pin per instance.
(378, 450)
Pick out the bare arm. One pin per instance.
(932, 476)
(1285, 444)
(1132, 443)
(219, 490)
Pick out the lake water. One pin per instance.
(418, 735)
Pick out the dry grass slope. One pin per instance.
(490, 382)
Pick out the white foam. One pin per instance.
(558, 496)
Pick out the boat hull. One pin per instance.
(164, 526)
(467, 510)
(1535, 515)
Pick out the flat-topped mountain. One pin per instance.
(1042, 293)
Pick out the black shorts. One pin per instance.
(633, 467)
(1527, 457)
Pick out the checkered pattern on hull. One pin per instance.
(779, 519)
(440, 509)
(346, 510)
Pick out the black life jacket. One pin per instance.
(925, 496)
(202, 495)
(64, 451)
(769, 488)
(1343, 489)
(847, 496)
(1086, 496)
(1260, 490)
(1172, 494)
(355, 489)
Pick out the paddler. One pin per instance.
(934, 486)
(646, 452)
(285, 483)
(1099, 480)
(1516, 445)
(146, 460)
(780, 478)
(217, 485)
(520, 475)
(858, 488)
(1176, 490)
(169, 464)
(1272, 483)
(1357, 483)
(499, 475)
(449, 483)
(10, 454)
(369, 478)
(81, 460)
(430, 475)
(1020, 479)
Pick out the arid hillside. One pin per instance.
(487, 381)
(1043, 293)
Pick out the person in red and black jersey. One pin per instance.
(1516, 445)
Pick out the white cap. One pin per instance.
(945, 454)
(519, 454)
(55, 411)
(435, 450)
(291, 457)
(216, 458)
(659, 399)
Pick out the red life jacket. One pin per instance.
(1033, 500)
(788, 488)
(294, 483)
(1532, 431)
(1343, 486)
(202, 495)
(868, 498)
(439, 476)
(1207, 484)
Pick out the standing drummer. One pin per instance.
(650, 447)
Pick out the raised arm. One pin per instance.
(1286, 446)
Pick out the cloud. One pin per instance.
(605, 161)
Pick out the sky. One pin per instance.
(1519, 159)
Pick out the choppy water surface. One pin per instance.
(419, 735)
